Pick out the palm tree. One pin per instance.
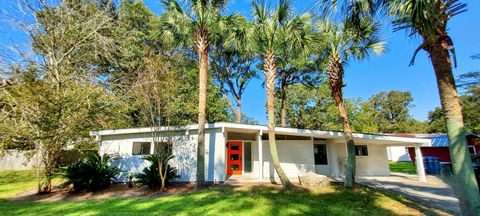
(195, 27)
(428, 19)
(275, 30)
(342, 43)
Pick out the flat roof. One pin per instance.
(249, 128)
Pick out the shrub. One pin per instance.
(151, 177)
(91, 174)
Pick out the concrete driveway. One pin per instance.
(433, 193)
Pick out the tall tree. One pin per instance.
(311, 107)
(156, 88)
(470, 103)
(342, 43)
(194, 25)
(392, 111)
(61, 99)
(294, 68)
(436, 121)
(274, 30)
(232, 61)
(138, 36)
(428, 19)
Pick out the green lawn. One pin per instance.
(14, 182)
(227, 201)
(216, 200)
(403, 167)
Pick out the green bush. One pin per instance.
(151, 177)
(91, 174)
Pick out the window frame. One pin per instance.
(141, 145)
(315, 155)
(359, 152)
(244, 169)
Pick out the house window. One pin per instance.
(471, 150)
(247, 156)
(361, 150)
(141, 148)
(162, 147)
(320, 154)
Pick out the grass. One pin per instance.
(217, 200)
(403, 167)
(222, 200)
(13, 182)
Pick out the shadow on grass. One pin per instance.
(232, 200)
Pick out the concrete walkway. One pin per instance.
(433, 193)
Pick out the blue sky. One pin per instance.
(363, 79)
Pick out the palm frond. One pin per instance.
(428, 19)
(352, 41)
(300, 36)
(282, 11)
(172, 5)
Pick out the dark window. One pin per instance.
(361, 150)
(247, 156)
(472, 151)
(320, 154)
(235, 147)
(286, 137)
(141, 148)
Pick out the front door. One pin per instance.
(234, 158)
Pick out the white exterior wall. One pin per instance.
(398, 153)
(296, 156)
(184, 151)
(375, 164)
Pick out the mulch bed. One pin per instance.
(115, 190)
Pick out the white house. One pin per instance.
(241, 149)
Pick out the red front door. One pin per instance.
(234, 158)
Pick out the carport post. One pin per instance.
(419, 163)
(260, 155)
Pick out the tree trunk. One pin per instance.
(335, 80)
(238, 112)
(270, 70)
(202, 47)
(464, 183)
(160, 171)
(283, 108)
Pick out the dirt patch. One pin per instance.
(115, 190)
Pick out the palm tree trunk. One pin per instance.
(202, 47)
(335, 80)
(270, 70)
(465, 183)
